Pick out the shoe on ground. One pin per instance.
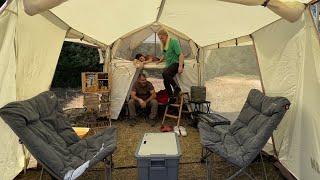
(180, 130)
(166, 128)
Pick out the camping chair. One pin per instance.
(241, 142)
(42, 128)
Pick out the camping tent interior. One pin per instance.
(288, 59)
(123, 70)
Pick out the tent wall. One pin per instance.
(11, 154)
(123, 72)
(126, 45)
(29, 51)
(289, 59)
(189, 77)
(37, 51)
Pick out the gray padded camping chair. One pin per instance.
(51, 140)
(241, 142)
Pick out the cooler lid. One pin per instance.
(156, 144)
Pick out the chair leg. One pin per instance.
(53, 178)
(108, 168)
(264, 168)
(202, 155)
(180, 110)
(209, 167)
(41, 175)
(205, 153)
(165, 112)
(252, 178)
(237, 173)
(242, 170)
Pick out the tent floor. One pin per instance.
(190, 166)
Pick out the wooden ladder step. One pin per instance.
(175, 105)
(171, 116)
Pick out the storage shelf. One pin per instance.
(95, 82)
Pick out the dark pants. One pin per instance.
(168, 81)
(153, 105)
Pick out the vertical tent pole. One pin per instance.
(264, 92)
(160, 10)
(155, 44)
(315, 28)
(198, 66)
(257, 60)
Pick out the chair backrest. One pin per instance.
(42, 128)
(256, 122)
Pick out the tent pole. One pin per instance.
(155, 44)
(274, 147)
(315, 28)
(314, 2)
(160, 10)
(264, 92)
(257, 60)
(200, 51)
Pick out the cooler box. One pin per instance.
(158, 156)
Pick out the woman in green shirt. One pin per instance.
(172, 55)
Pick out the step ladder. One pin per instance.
(184, 99)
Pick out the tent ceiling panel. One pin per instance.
(107, 20)
(208, 22)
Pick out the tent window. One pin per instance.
(231, 72)
(150, 46)
(185, 46)
(146, 41)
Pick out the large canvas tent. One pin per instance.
(288, 55)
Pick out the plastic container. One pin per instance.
(158, 156)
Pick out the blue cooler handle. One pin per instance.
(158, 164)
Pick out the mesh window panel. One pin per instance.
(230, 73)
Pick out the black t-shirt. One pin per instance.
(143, 92)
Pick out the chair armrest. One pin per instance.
(213, 119)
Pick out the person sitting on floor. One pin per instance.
(140, 60)
(144, 96)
